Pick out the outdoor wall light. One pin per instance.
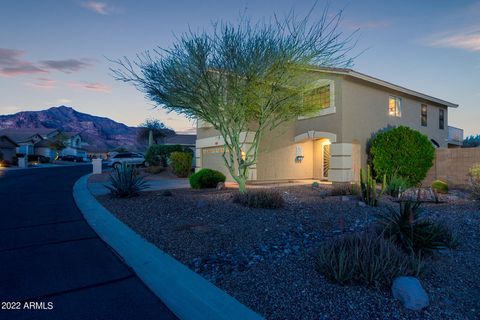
(299, 154)
(299, 158)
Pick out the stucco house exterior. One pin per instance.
(331, 145)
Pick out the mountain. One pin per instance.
(101, 134)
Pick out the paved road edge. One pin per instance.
(186, 294)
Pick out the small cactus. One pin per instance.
(369, 187)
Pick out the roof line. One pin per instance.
(384, 83)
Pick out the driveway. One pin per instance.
(49, 254)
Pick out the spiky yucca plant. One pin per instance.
(126, 182)
(368, 186)
(412, 231)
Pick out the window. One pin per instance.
(319, 97)
(424, 115)
(395, 106)
(441, 119)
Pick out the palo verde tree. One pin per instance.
(153, 130)
(241, 77)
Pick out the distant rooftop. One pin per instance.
(24, 134)
(182, 139)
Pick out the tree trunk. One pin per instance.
(242, 184)
(150, 138)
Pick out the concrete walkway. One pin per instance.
(98, 188)
(50, 255)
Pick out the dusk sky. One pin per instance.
(54, 52)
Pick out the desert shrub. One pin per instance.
(1, 156)
(403, 151)
(154, 169)
(409, 229)
(159, 154)
(260, 198)
(474, 174)
(396, 185)
(345, 189)
(440, 186)
(166, 193)
(125, 182)
(181, 163)
(315, 184)
(206, 178)
(366, 259)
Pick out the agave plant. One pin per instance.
(126, 182)
(412, 231)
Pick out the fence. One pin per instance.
(452, 166)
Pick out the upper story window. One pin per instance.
(424, 115)
(441, 119)
(395, 106)
(322, 95)
(319, 96)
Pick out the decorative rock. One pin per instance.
(345, 198)
(361, 204)
(221, 186)
(410, 293)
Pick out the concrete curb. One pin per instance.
(186, 294)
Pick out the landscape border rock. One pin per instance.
(410, 293)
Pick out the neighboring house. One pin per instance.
(8, 148)
(24, 138)
(74, 145)
(331, 145)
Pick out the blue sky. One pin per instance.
(52, 52)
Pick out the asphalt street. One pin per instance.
(52, 264)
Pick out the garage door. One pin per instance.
(212, 158)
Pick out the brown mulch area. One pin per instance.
(265, 258)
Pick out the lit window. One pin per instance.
(318, 97)
(441, 119)
(424, 115)
(395, 106)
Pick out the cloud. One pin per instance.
(99, 7)
(460, 39)
(67, 66)
(92, 86)
(11, 64)
(44, 83)
(64, 101)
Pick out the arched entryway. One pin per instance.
(321, 142)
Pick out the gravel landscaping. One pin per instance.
(265, 257)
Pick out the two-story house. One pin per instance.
(331, 145)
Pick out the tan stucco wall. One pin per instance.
(365, 111)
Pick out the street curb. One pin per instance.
(186, 294)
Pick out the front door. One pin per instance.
(326, 160)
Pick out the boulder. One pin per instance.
(410, 293)
(221, 186)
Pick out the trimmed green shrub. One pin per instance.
(125, 182)
(315, 184)
(206, 178)
(364, 259)
(159, 154)
(181, 163)
(412, 232)
(474, 174)
(440, 186)
(396, 185)
(260, 198)
(403, 151)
